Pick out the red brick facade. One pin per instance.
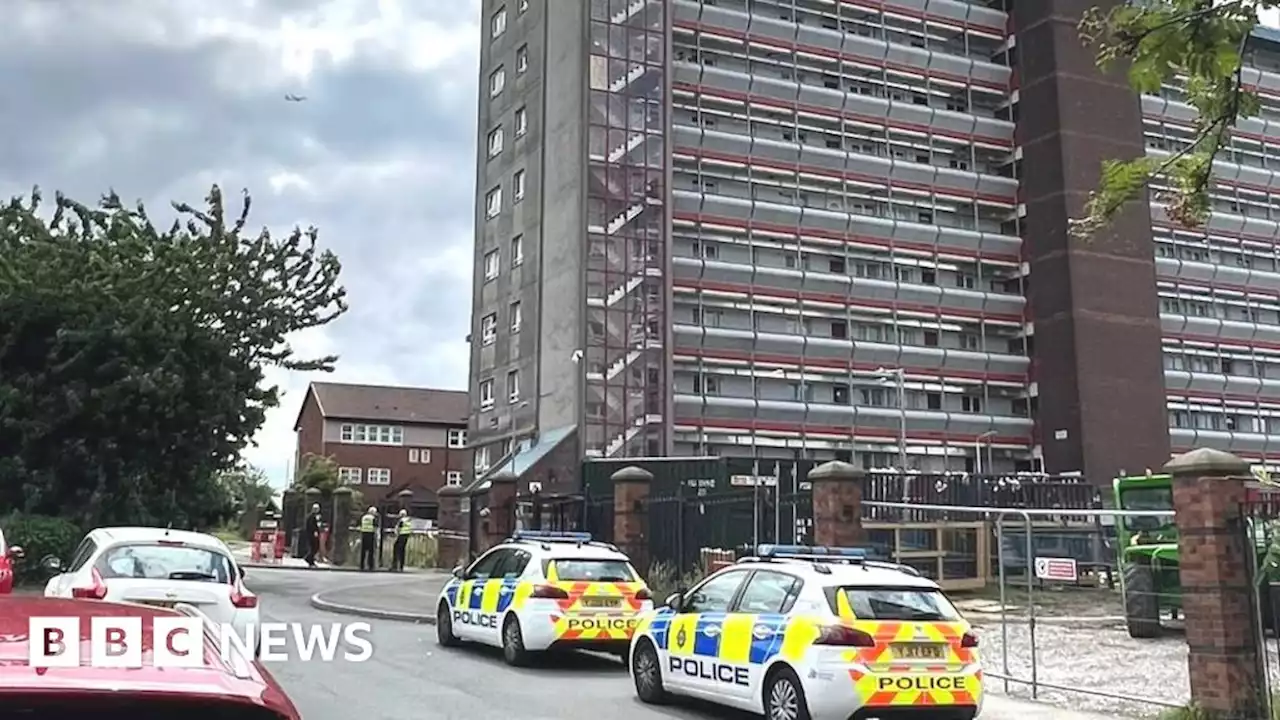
(424, 479)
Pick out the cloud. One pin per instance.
(158, 100)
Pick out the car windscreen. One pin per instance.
(589, 570)
(894, 603)
(158, 561)
(122, 706)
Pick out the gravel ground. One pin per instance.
(1081, 642)
(1098, 656)
(1093, 655)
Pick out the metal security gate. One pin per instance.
(702, 514)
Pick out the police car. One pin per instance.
(812, 633)
(538, 591)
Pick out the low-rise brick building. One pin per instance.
(387, 439)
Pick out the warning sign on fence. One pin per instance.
(1063, 569)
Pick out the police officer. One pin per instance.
(368, 539)
(404, 528)
(315, 523)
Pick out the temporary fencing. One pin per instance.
(1055, 621)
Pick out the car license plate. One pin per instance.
(159, 603)
(599, 602)
(919, 651)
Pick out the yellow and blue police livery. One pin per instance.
(812, 633)
(542, 590)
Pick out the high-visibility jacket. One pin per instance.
(404, 527)
(367, 523)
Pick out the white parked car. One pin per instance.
(158, 567)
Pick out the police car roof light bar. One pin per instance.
(549, 536)
(811, 552)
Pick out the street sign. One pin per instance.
(753, 480)
(1063, 569)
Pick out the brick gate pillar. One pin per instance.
(631, 514)
(340, 528)
(1218, 594)
(837, 504)
(451, 542)
(501, 520)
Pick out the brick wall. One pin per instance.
(310, 432)
(426, 479)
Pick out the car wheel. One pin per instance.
(513, 650)
(646, 672)
(444, 628)
(784, 696)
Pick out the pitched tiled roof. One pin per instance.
(382, 403)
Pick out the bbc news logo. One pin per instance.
(119, 642)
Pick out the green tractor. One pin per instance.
(1148, 553)
(1147, 549)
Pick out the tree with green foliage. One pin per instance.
(247, 486)
(132, 357)
(1200, 43)
(318, 472)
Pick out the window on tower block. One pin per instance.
(493, 203)
(498, 23)
(492, 264)
(489, 328)
(497, 81)
(495, 142)
(522, 122)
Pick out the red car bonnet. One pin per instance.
(215, 684)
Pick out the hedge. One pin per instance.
(39, 536)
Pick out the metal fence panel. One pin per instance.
(1051, 628)
(1260, 515)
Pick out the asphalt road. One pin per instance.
(408, 675)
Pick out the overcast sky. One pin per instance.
(160, 98)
